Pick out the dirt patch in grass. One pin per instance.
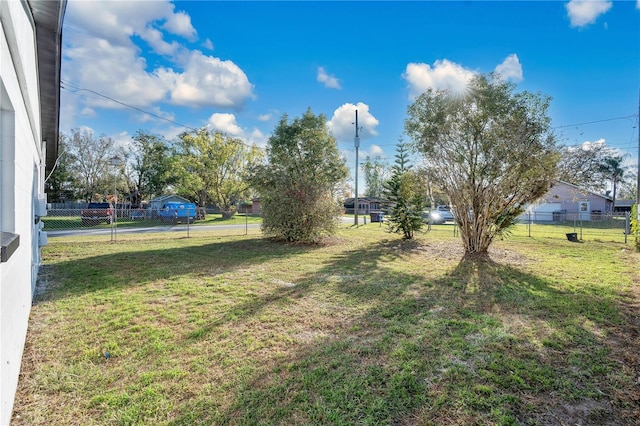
(584, 413)
(453, 251)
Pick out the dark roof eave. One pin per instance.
(48, 16)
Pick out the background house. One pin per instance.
(158, 202)
(366, 205)
(30, 44)
(565, 201)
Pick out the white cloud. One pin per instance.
(155, 39)
(329, 81)
(171, 132)
(226, 123)
(443, 75)
(588, 146)
(510, 68)
(585, 12)
(115, 21)
(342, 124)
(447, 75)
(208, 44)
(638, 5)
(376, 151)
(88, 112)
(208, 81)
(257, 138)
(112, 70)
(100, 54)
(180, 24)
(265, 117)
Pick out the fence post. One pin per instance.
(580, 227)
(627, 225)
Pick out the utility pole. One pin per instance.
(638, 180)
(356, 143)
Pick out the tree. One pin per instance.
(151, 166)
(298, 184)
(614, 170)
(60, 184)
(492, 152)
(89, 162)
(591, 165)
(629, 185)
(374, 176)
(214, 167)
(404, 196)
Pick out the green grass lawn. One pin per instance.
(364, 329)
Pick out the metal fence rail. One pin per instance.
(69, 222)
(585, 226)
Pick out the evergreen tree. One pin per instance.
(403, 196)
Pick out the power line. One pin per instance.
(80, 89)
(596, 121)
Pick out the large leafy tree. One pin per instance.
(88, 163)
(614, 169)
(151, 166)
(592, 165)
(60, 184)
(299, 182)
(213, 167)
(404, 194)
(492, 152)
(375, 174)
(629, 185)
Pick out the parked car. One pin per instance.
(138, 214)
(96, 213)
(176, 212)
(440, 215)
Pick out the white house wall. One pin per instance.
(20, 188)
(569, 199)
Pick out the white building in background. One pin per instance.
(565, 201)
(30, 45)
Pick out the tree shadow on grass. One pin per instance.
(129, 268)
(485, 343)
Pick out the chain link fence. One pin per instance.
(563, 225)
(579, 226)
(70, 222)
(125, 222)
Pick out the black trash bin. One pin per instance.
(572, 236)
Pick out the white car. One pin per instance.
(440, 215)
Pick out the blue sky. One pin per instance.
(238, 66)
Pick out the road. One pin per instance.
(165, 228)
(149, 230)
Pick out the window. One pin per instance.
(10, 241)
